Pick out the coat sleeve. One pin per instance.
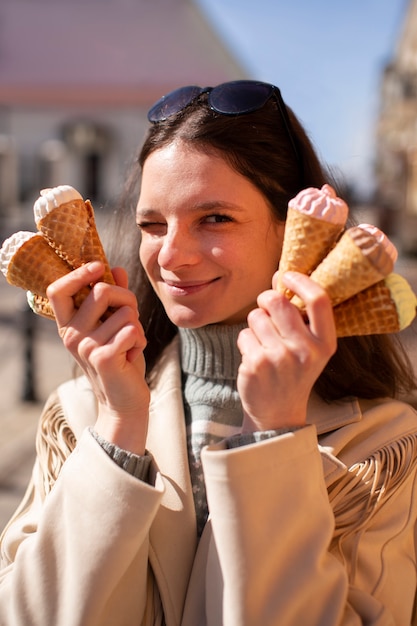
(79, 554)
(274, 540)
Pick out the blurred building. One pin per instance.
(76, 80)
(396, 158)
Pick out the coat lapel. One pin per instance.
(173, 535)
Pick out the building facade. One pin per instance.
(76, 80)
(396, 153)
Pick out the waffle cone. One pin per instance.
(35, 265)
(370, 312)
(71, 230)
(307, 240)
(344, 272)
(41, 305)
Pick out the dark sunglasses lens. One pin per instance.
(239, 97)
(173, 102)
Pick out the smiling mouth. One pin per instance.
(187, 288)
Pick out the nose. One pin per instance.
(179, 248)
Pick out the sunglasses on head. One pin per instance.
(234, 98)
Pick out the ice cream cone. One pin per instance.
(315, 219)
(355, 263)
(370, 312)
(29, 262)
(70, 229)
(385, 307)
(307, 240)
(40, 305)
(67, 238)
(32, 263)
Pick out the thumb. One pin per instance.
(120, 276)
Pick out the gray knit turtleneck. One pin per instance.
(210, 360)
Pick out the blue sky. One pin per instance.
(327, 57)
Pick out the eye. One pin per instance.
(217, 218)
(153, 228)
(144, 225)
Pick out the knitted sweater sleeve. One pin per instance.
(244, 439)
(135, 465)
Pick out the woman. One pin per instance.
(307, 508)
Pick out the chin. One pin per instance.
(188, 319)
(185, 317)
(193, 319)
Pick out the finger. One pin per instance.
(124, 322)
(130, 341)
(61, 292)
(275, 280)
(263, 327)
(101, 304)
(284, 317)
(318, 305)
(247, 342)
(108, 351)
(120, 276)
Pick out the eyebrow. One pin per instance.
(203, 207)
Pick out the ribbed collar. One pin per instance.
(211, 351)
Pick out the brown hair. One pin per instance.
(257, 146)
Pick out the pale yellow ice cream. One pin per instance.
(404, 297)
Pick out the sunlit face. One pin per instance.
(209, 242)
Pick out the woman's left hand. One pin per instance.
(282, 355)
(109, 351)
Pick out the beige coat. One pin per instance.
(314, 527)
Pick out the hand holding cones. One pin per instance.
(67, 238)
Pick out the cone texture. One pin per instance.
(71, 230)
(344, 272)
(307, 240)
(369, 312)
(67, 238)
(41, 305)
(35, 265)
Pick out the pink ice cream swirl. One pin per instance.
(375, 245)
(321, 203)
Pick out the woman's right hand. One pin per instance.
(110, 353)
(283, 356)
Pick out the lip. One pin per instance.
(186, 288)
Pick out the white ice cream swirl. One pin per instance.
(53, 198)
(11, 245)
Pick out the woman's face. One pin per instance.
(209, 242)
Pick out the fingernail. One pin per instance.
(94, 266)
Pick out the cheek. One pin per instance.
(147, 253)
(148, 256)
(141, 253)
(273, 247)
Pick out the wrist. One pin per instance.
(291, 421)
(136, 465)
(126, 432)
